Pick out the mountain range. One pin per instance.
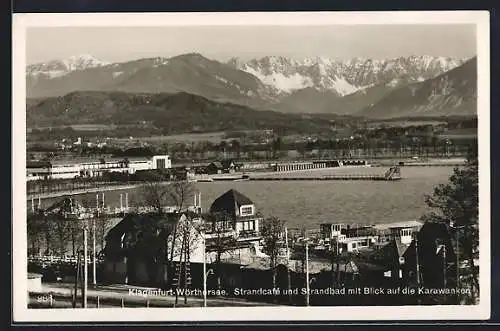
(367, 87)
(165, 113)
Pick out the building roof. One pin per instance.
(134, 222)
(229, 202)
(397, 225)
(38, 164)
(228, 163)
(87, 160)
(217, 164)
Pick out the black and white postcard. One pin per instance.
(329, 166)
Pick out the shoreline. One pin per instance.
(256, 174)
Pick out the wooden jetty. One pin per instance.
(393, 174)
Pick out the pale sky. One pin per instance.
(117, 44)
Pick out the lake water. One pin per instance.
(312, 202)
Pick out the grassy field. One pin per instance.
(404, 123)
(466, 133)
(214, 137)
(92, 127)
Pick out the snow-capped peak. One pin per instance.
(342, 76)
(57, 68)
(83, 61)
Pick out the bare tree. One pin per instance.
(36, 227)
(220, 226)
(103, 224)
(154, 192)
(180, 192)
(272, 233)
(62, 227)
(182, 245)
(157, 193)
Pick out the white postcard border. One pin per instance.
(379, 313)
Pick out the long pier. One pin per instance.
(345, 177)
(394, 173)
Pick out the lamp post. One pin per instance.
(204, 268)
(288, 265)
(205, 272)
(205, 276)
(85, 266)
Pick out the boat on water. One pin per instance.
(231, 178)
(204, 180)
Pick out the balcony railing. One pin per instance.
(248, 234)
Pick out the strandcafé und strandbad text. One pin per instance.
(303, 291)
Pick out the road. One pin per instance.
(60, 296)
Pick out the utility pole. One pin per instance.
(77, 278)
(85, 266)
(458, 258)
(457, 250)
(307, 273)
(444, 266)
(416, 259)
(288, 265)
(204, 268)
(94, 271)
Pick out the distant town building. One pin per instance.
(68, 170)
(214, 168)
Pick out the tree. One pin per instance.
(187, 240)
(180, 192)
(456, 205)
(272, 234)
(102, 226)
(61, 225)
(219, 225)
(276, 147)
(154, 191)
(36, 226)
(157, 194)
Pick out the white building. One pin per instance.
(67, 170)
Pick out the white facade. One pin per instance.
(161, 162)
(354, 243)
(247, 210)
(64, 171)
(406, 236)
(133, 166)
(93, 169)
(330, 230)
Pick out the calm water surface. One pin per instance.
(312, 202)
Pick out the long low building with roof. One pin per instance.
(39, 170)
